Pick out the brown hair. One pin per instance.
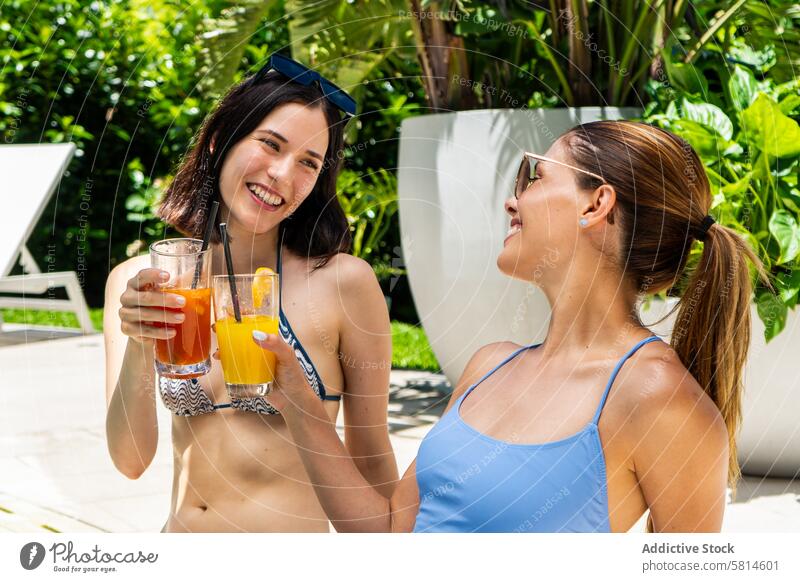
(318, 227)
(663, 195)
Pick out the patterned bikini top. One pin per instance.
(186, 397)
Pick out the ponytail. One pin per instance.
(712, 332)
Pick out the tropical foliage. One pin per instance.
(129, 82)
(749, 141)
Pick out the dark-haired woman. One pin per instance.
(270, 154)
(603, 420)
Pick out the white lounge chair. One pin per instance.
(29, 175)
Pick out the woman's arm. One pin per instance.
(681, 455)
(350, 502)
(365, 353)
(131, 424)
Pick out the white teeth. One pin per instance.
(513, 230)
(265, 196)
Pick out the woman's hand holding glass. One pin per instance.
(148, 314)
(290, 389)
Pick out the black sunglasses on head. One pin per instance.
(299, 73)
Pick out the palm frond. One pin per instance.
(225, 39)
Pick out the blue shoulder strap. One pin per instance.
(616, 371)
(513, 355)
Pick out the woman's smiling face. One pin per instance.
(544, 221)
(269, 173)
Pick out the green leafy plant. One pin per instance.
(452, 47)
(752, 160)
(116, 79)
(370, 202)
(559, 52)
(129, 83)
(142, 206)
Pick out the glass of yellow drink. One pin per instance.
(248, 369)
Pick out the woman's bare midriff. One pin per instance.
(238, 471)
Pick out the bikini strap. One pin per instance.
(285, 322)
(616, 371)
(278, 264)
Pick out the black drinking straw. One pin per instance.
(212, 216)
(223, 230)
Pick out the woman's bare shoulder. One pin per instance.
(347, 290)
(348, 280)
(658, 393)
(348, 270)
(481, 362)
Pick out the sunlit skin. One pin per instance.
(237, 470)
(664, 441)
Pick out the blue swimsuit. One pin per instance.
(470, 482)
(187, 397)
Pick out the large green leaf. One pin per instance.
(710, 116)
(788, 285)
(768, 129)
(739, 186)
(685, 77)
(761, 60)
(788, 191)
(791, 199)
(743, 87)
(783, 226)
(772, 312)
(789, 103)
(703, 139)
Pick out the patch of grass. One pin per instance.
(410, 348)
(51, 318)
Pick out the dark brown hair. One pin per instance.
(318, 227)
(663, 195)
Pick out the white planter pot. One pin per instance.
(455, 171)
(769, 443)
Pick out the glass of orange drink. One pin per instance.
(248, 369)
(187, 353)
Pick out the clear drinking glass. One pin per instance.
(187, 354)
(248, 369)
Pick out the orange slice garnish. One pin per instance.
(262, 286)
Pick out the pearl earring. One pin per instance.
(583, 222)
